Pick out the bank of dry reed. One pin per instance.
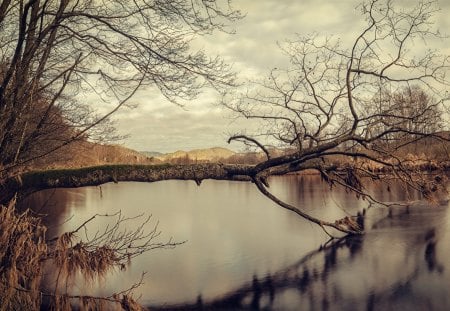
(24, 250)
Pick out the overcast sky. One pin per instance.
(157, 125)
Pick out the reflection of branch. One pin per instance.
(281, 279)
(308, 277)
(123, 298)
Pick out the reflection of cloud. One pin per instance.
(159, 125)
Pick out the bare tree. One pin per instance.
(345, 103)
(53, 53)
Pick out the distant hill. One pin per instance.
(83, 153)
(151, 153)
(202, 155)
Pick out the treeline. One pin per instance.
(84, 153)
(415, 150)
(238, 158)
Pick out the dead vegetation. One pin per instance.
(84, 153)
(22, 248)
(25, 249)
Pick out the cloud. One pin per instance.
(159, 125)
(168, 128)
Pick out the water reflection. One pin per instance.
(245, 253)
(55, 205)
(351, 274)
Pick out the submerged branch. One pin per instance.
(346, 225)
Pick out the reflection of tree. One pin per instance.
(297, 276)
(312, 279)
(52, 205)
(430, 252)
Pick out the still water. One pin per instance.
(243, 252)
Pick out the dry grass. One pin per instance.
(24, 250)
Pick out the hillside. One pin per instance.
(197, 155)
(151, 153)
(83, 153)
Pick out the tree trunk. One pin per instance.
(92, 176)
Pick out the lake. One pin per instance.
(241, 251)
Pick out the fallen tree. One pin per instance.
(345, 176)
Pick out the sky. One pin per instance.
(158, 125)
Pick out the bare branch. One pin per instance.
(246, 138)
(359, 111)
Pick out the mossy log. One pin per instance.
(97, 175)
